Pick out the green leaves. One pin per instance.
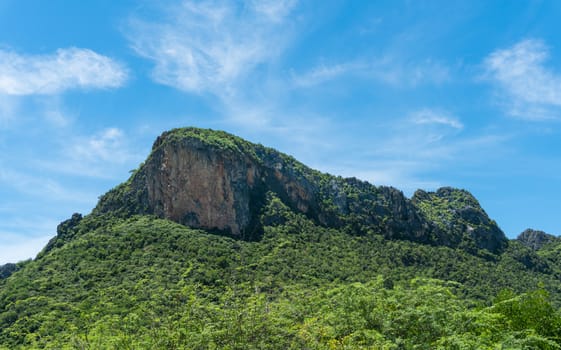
(147, 283)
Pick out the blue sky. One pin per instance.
(414, 94)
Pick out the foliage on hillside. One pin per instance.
(365, 269)
(147, 283)
(459, 216)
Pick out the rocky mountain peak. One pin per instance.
(214, 180)
(219, 182)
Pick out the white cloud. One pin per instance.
(412, 150)
(105, 146)
(411, 156)
(389, 70)
(394, 71)
(70, 68)
(531, 90)
(53, 111)
(428, 116)
(424, 136)
(323, 73)
(208, 46)
(273, 10)
(56, 117)
(107, 154)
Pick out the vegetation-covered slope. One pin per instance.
(123, 277)
(217, 181)
(150, 283)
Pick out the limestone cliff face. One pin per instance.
(214, 181)
(219, 182)
(192, 184)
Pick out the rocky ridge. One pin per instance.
(219, 182)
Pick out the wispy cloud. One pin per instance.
(105, 146)
(71, 68)
(396, 72)
(100, 155)
(273, 10)
(208, 46)
(405, 175)
(323, 73)
(425, 135)
(430, 116)
(53, 111)
(227, 52)
(56, 117)
(389, 70)
(414, 150)
(531, 90)
(225, 49)
(413, 160)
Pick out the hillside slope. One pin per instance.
(215, 242)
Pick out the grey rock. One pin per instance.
(535, 239)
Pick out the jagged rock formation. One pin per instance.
(460, 219)
(219, 182)
(535, 239)
(65, 231)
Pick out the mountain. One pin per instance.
(216, 242)
(216, 181)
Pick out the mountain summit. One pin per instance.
(219, 182)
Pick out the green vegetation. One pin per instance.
(352, 275)
(460, 219)
(221, 140)
(147, 283)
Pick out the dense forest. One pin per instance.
(367, 270)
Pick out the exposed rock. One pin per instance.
(216, 181)
(460, 219)
(535, 239)
(190, 184)
(65, 232)
(212, 180)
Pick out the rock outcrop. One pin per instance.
(460, 219)
(65, 231)
(535, 239)
(216, 181)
